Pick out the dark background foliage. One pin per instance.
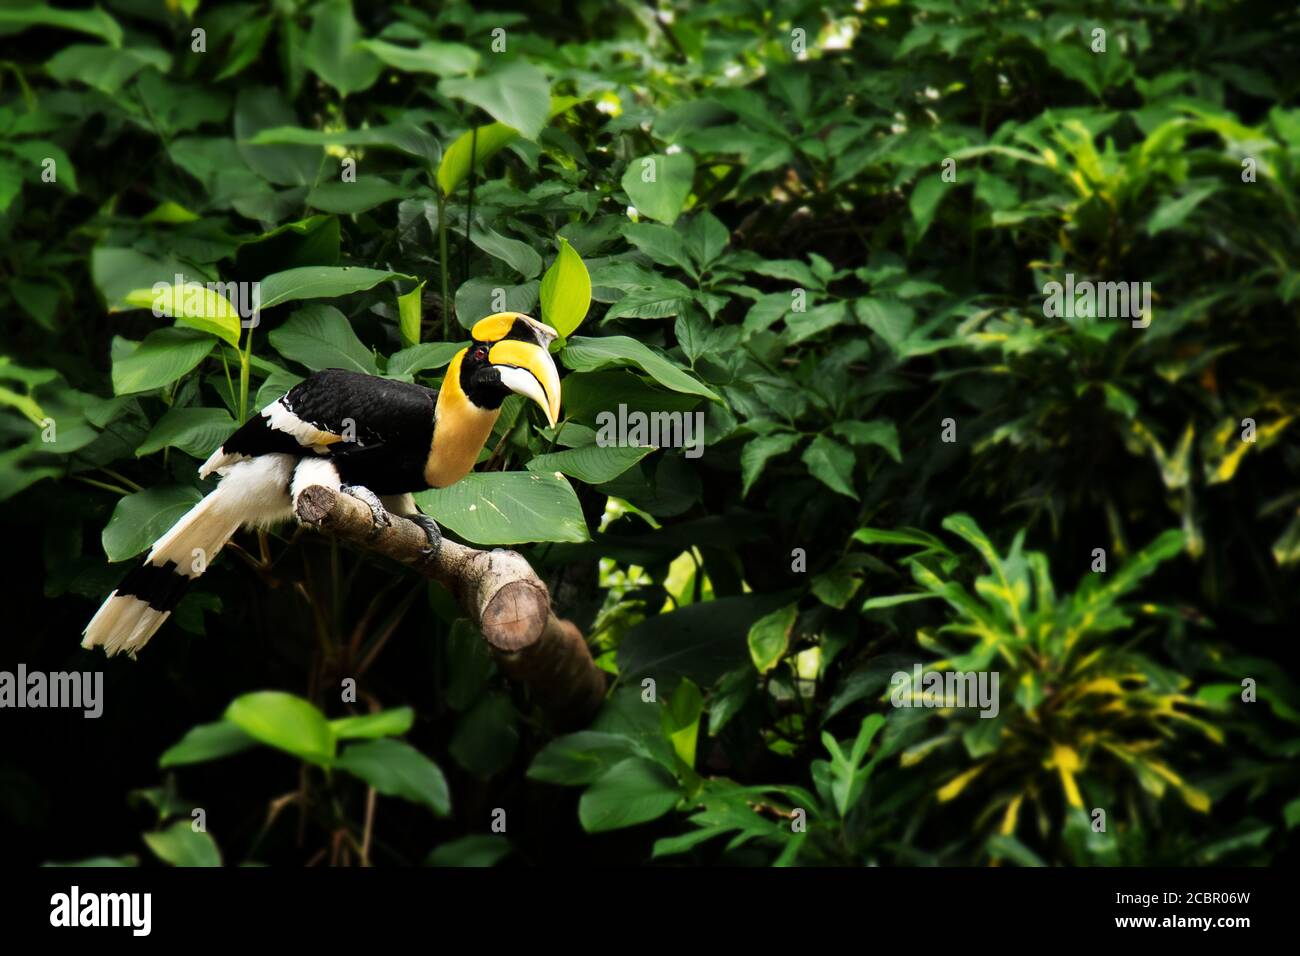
(1172, 157)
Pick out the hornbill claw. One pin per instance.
(378, 513)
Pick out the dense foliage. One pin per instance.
(828, 229)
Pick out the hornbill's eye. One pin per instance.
(480, 353)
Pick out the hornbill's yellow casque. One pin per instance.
(368, 437)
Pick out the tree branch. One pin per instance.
(497, 590)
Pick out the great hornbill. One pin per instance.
(372, 438)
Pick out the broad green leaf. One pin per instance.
(681, 720)
(663, 244)
(440, 59)
(164, 356)
(409, 314)
(285, 722)
(181, 845)
(486, 737)
(397, 769)
(476, 298)
(520, 256)
(477, 849)
(259, 108)
(333, 51)
(386, 723)
(419, 358)
(659, 185)
(346, 198)
(321, 282)
(701, 641)
(196, 431)
(831, 463)
(206, 742)
(587, 354)
(404, 137)
(104, 68)
(320, 336)
(142, 518)
(926, 196)
(191, 304)
(516, 94)
(566, 291)
(93, 21)
(511, 507)
(769, 637)
(580, 758)
(634, 791)
(590, 463)
(482, 143)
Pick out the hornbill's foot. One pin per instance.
(378, 514)
(431, 532)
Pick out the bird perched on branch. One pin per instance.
(369, 437)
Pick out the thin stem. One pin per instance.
(245, 358)
(442, 265)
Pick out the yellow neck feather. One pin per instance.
(460, 431)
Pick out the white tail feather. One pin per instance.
(252, 493)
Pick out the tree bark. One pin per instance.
(497, 590)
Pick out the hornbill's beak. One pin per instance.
(525, 365)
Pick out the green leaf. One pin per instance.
(879, 432)
(409, 314)
(397, 769)
(164, 356)
(520, 256)
(701, 641)
(659, 185)
(477, 849)
(482, 143)
(661, 243)
(191, 304)
(769, 637)
(925, 199)
(321, 282)
(831, 463)
(285, 722)
(590, 463)
(196, 431)
(142, 518)
(440, 59)
(587, 354)
(681, 720)
(634, 791)
(486, 737)
(758, 452)
(106, 69)
(508, 507)
(333, 50)
(566, 291)
(419, 358)
(206, 742)
(516, 94)
(386, 723)
(580, 758)
(407, 138)
(181, 845)
(259, 108)
(1172, 213)
(346, 199)
(93, 21)
(320, 336)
